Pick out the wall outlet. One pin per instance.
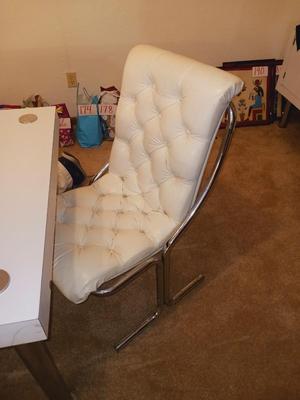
(71, 79)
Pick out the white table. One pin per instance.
(28, 162)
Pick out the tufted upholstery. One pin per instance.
(168, 115)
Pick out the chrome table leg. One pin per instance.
(38, 360)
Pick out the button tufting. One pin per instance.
(155, 130)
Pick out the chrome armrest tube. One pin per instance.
(216, 169)
(109, 288)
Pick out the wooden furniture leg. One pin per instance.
(38, 360)
(284, 118)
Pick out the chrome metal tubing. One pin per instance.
(161, 258)
(169, 299)
(100, 173)
(115, 284)
(40, 363)
(159, 303)
(187, 288)
(172, 299)
(124, 341)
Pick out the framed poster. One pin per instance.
(255, 104)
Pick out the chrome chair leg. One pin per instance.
(202, 195)
(159, 303)
(170, 299)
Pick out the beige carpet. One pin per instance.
(237, 336)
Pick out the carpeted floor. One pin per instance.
(237, 336)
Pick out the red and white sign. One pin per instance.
(260, 71)
(107, 109)
(87, 109)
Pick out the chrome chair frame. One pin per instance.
(114, 285)
(161, 258)
(202, 195)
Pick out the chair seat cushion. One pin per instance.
(102, 231)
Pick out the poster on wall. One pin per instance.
(254, 105)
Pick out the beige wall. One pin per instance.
(40, 40)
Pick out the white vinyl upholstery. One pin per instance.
(168, 115)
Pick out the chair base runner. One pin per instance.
(185, 290)
(157, 262)
(123, 342)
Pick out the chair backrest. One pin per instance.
(168, 115)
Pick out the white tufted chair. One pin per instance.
(126, 220)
